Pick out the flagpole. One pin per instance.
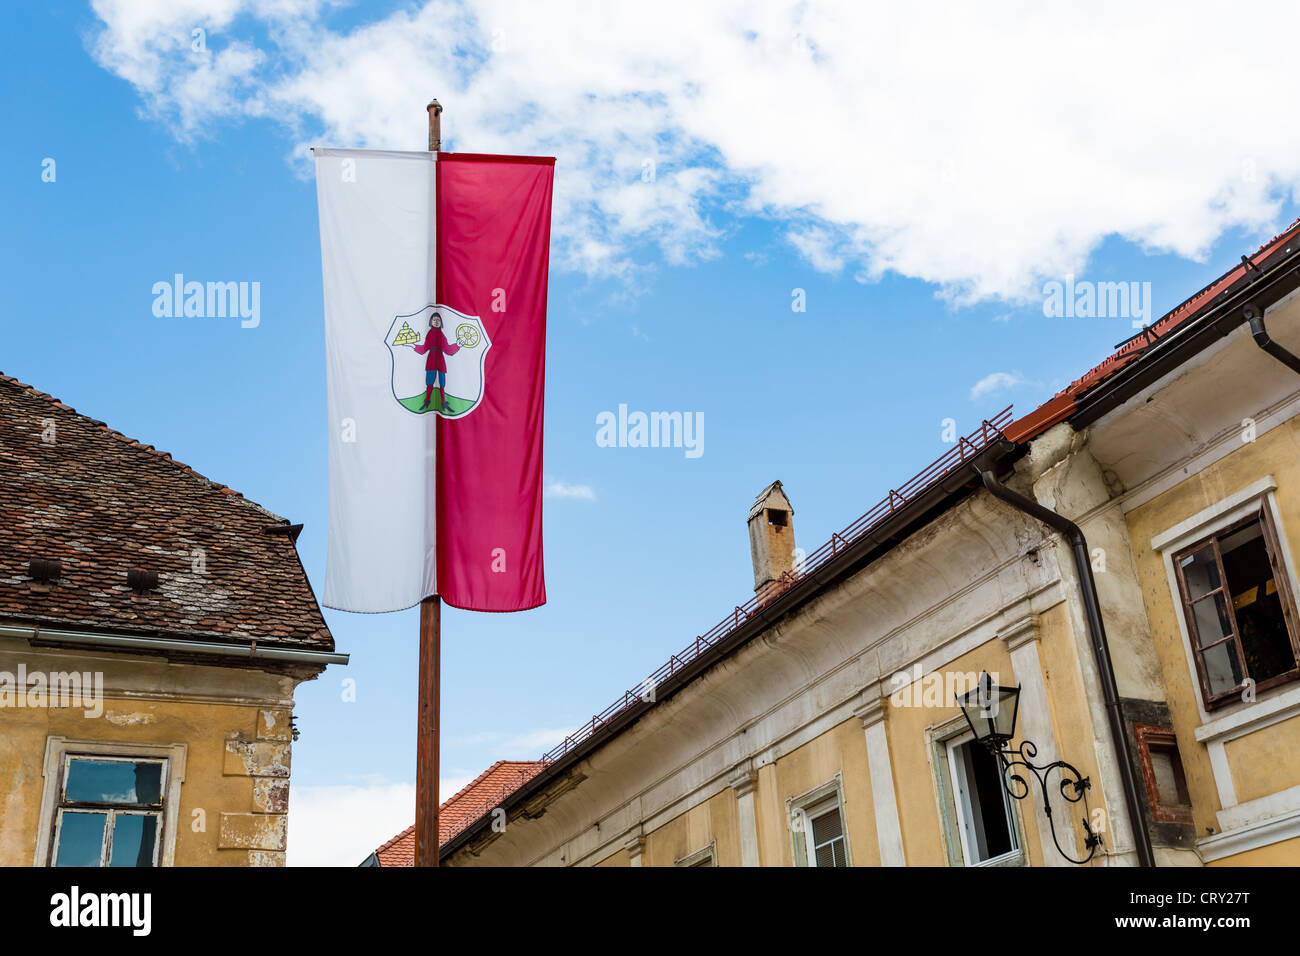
(427, 844)
(426, 755)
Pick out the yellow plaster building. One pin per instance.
(153, 628)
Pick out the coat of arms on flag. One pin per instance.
(438, 358)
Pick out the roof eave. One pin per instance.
(862, 552)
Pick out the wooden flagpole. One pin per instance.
(429, 730)
(426, 751)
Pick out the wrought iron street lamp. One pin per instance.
(991, 712)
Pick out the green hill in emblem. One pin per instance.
(455, 405)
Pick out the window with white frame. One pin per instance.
(981, 823)
(705, 857)
(986, 822)
(110, 811)
(817, 824)
(125, 795)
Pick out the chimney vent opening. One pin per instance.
(140, 580)
(45, 570)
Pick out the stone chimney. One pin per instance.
(771, 538)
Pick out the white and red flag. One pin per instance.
(435, 269)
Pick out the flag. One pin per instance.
(435, 280)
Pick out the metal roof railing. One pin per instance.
(966, 448)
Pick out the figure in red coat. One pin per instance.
(435, 367)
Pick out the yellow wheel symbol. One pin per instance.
(466, 335)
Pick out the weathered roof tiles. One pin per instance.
(73, 489)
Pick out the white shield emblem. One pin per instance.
(418, 385)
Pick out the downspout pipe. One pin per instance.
(1100, 649)
(1260, 333)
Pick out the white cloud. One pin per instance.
(817, 245)
(559, 489)
(977, 147)
(996, 382)
(342, 825)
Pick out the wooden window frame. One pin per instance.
(111, 809)
(1273, 549)
(58, 748)
(1147, 735)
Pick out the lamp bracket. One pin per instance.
(1073, 787)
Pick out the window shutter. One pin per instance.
(827, 834)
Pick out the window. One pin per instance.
(777, 518)
(704, 857)
(817, 825)
(985, 821)
(826, 835)
(1162, 768)
(110, 811)
(1239, 612)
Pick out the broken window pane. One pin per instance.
(1222, 669)
(1212, 622)
(1201, 572)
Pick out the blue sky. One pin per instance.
(921, 280)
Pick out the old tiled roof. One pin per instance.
(492, 785)
(73, 489)
(1063, 404)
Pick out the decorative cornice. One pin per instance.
(743, 779)
(871, 709)
(1251, 837)
(1019, 633)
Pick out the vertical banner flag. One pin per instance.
(435, 275)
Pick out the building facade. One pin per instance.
(153, 628)
(1122, 555)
